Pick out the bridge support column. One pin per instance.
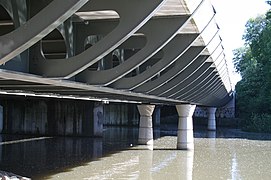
(98, 119)
(1, 119)
(145, 135)
(185, 139)
(211, 119)
(157, 114)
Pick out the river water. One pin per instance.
(225, 154)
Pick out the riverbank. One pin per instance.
(203, 121)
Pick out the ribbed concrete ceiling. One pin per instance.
(141, 77)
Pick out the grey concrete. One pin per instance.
(48, 117)
(116, 114)
(157, 116)
(142, 11)
(1, 118)
(121, 114)
(158, 32)
(185, 139)
(53, 15)
(166, 52)
(145, 135)
(211, 119)
(171, 54)
(184, 78)
(98, 119)
(188, 57)
(182, 87)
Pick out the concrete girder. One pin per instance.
(222, 73)
(14, 43)
(192, 72)
(186, 75)
(199, 76)
(217, 53)
(171, 54)
(93, 28)
(17, 10)
(221, 66)
(211, 100)
(208, 90)
(179, 66)
(220, 97)
(154, 37)
(187, 58)
(199, 87)
(8, 7)
(225, 79)
(5, 74)
(169, 57)
(158, 31)
(203, 86)
(104, 27)
(218, 61)
(142, 11)
(15, 14)
(89, 28)
(220, 92)
(217, 97)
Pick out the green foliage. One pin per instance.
(253, 62)
(243, 60)
(254, 28)
(259, 123)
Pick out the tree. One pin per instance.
(253, 62)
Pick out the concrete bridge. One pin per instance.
(146, 52)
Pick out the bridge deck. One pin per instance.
(155, 51)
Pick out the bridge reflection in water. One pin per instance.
(231, 155)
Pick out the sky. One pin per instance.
(231, 17)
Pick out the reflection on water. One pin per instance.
(117, 156)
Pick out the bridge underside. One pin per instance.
(156, 51)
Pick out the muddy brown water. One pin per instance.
(225, 154)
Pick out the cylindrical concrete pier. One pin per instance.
(185, 139)
(145, 135)
(211, 119)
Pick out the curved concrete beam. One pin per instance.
(199, 87)
(158, 31)
(141, 11)
(193, 72)
(171, 54)
(222, 100)
(198, 76)
(208, 90)
(183, 62)
(17, 10)
(49, 18)
(179, 66)
(196, 67)
(219, 97)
